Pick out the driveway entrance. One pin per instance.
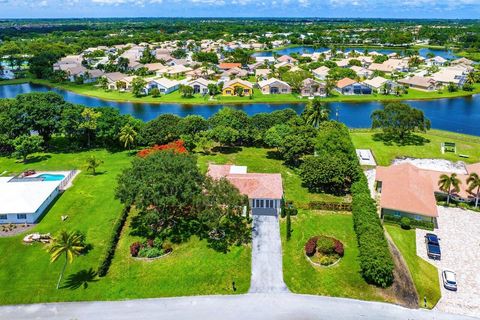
(267, 271)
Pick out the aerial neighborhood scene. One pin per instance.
(233, 159)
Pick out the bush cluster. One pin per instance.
(112, 243)
(150, 248)
(311, 246)
(375, 259)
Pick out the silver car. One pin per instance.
(449, 280)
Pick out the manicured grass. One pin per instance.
(384, 154)
(263, 161)
(27, 276)
(340, 280)
(258, 97)
(425, 275)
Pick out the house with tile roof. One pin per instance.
(264, 190)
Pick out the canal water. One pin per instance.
(454, 114)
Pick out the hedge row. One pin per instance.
(375, 259)
(427, 225)
(112, 243)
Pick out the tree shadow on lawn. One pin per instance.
(37, 158)
(80, 279)
(391, 140)
(226, 150)
(274, 155)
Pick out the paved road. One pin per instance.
(281, 306)
(267, 272)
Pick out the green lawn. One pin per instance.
(384, 154)
(425, 275)
(258, 97)
(341, 280)
(26, 275)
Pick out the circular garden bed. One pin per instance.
(323, 250)
(150, 249)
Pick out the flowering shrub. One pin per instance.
(175, 146)
(339, 248)
(325, 245)
(311, 246)
(135, 249)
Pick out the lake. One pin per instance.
(447, 54)
(456, 114)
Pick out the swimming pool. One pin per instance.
(51, 177)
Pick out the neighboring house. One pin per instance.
(200, 73)
(321, 73)
(235, 73)
(377, 84)
(25, 199)
(113, 78)
(164, 85)
(264, 190)
(313, 88)
(362, 72)
(262, 73)
(420, 83)
(230, 86)
(463, 61)
(224, 66)
(344, 63)
(287, 59)
(407, 190)
(436, 61)
(262, 60)
(200, 85)
(274, 86)
(381, 67)
(348, 86)
(154, 67)
(176, 70)
(449, 75)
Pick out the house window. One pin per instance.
(21, 216)
(3, 217)
(228, 92)
(246, 91)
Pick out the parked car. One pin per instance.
(449, 280)
(433, 246)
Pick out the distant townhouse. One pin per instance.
(362, 72)
(235, 73)
(274, 86)
(378, 84)
(287, 58)
(114, 78)
(262, 74)
(268, 60)
(224, 66)
(436, 61)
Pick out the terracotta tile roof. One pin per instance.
(254, 185)
(345, 82)
(407, 188)
(229, 65)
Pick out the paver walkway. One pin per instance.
(267, 271)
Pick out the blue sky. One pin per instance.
(451, 9)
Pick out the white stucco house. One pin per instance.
(25, 199)
(200, 85)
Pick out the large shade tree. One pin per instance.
(399, 120)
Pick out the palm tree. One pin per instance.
(473, 182)
(68, 244)
(449, 184)
(93, 163)
(315, 113)
(127, 136)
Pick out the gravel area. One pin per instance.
(460, 244)
(435, 164)
(371, 174)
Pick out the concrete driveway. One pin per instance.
(460, 245)
(267, 271)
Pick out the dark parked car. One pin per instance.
(433, 246)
